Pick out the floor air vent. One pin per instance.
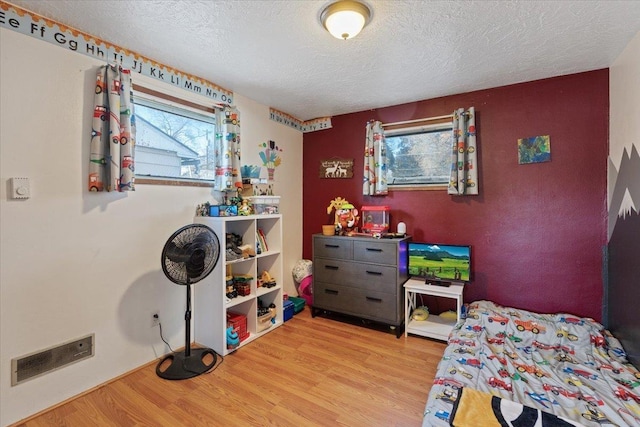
(41, 362)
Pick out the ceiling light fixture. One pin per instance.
(344, 19)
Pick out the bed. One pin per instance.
(560, 368)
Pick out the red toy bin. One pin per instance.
(375, 219)
(239, 324)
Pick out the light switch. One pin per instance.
(20, 188)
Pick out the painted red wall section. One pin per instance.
(537, 230)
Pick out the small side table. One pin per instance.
(435, 326)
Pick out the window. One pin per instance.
(419, 156)
(173, 141)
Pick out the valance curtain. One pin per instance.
(375, 161)
(111, 156)
(227, 150)
(464, 162)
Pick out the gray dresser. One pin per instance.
(360, 276)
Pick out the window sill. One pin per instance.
(426, 187)
(173, 182)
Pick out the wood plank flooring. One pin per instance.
(309, 372)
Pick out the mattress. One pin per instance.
(559, 364)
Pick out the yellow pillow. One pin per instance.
(449, 315)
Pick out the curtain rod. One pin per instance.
(428, 119)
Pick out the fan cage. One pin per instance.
(182, 245)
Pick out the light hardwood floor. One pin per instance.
(309, 372)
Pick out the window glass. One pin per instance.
(173, 142)
(419, 156)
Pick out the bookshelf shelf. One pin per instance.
(210, 301)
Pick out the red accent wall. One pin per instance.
(537, 230)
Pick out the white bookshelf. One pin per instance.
(210, 301)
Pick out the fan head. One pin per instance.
(190, 254)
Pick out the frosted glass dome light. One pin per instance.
(345, 19)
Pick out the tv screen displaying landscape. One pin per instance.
(440, 262)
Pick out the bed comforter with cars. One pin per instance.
(555, 363)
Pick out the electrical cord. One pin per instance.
(161, 337)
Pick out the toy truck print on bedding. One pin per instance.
(557, 363)
(529, 325)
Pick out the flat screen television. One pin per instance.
(439, 264)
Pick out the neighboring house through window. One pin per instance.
(174, 142)
(419, 156)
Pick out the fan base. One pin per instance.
(183, 367)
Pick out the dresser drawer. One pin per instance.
(332, 247)
(375, 251)
(380, 278)
(357, 302)
(335, 271)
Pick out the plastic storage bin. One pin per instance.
(288, 308)
(264, 322)
(298, 304)
(265, 204)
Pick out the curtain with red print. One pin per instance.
(464, 160)
(227, 150)
(111, 156)
(375, 161)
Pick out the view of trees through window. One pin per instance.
(174, 143)
(419, 158)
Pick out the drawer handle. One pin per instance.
(330, 292)
(372, 299)
(374, 250)
(375, 273)
(331, 246)
(331, 267)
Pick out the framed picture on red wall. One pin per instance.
(336, 168)
(536, 149)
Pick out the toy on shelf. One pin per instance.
(245, 208)
(266, 316)
(242, 284)
(233, 340)
(235, 249)
(230, 291)
(265, 280)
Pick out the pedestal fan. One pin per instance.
(189, 255)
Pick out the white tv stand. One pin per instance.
(435, 326)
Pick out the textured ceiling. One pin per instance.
(278, 53)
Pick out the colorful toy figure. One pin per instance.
(245, 208)
(347, 220)
(233, 341)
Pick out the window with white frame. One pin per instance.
(419, 156)
(173, 141)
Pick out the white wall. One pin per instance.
(74, 262)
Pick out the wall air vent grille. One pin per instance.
(44, 361)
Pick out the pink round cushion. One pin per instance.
(306, 289)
